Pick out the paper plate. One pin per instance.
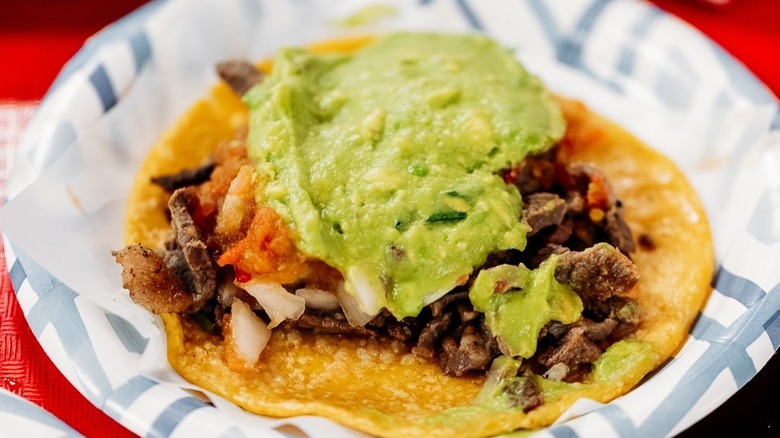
(22, 418)
(641, 68)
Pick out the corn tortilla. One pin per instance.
(383, 389)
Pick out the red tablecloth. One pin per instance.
(38, 36)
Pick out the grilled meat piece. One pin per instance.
(240, 75)
(184, 178)
(597, 273)
(151, 284)
(199, 272)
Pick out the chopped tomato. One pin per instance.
(267, 252)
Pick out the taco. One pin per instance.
(411, 236)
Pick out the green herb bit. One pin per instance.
(447, 216)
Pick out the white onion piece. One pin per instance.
(367, 288)
(234, 207)
(275, 300)
(557, 372)
(318, 299)
(249, 333)
(355, 315)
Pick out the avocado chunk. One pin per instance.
(518, 302)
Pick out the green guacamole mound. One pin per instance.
(385, 162)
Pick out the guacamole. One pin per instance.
(385, 162)
(525, 302)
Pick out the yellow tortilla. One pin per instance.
(383, 389)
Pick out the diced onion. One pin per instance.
(557, 372)
(275, 300)
(368, 288)
(234, 206)
(355, 315)
(248, 333)
(318, 299)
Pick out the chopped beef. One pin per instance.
(620, 308)
(553, 329)
(536, 173)
(437, 307)
(575, 202)
(544, 253)
(239, 75)
(174, 259)
(509, 257)
(151, 284)
(619, 235)
(578, 177)
(381, 319)
(583, 234)
(603, 209)
(624, 310)
(466, 312)
(524, 394)
(590, 213)
(577, 345)
(623, 330)
(326, 322)
(543, 210)
(184, 178)
(468, 352)
(598, 331)
(597, 273)
(402, 330)
(201, 275)
(430, 335)
(573, 349)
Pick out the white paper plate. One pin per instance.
(19, 417)
(647, 71)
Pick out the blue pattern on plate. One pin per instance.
(772, 327)
(569, 46)
(17, 406)
(102, 85)
(468, 14)
(168, 419)
(563, 431)
(17, 274)
(741, 289)
(127, 333)
(52, 303)
(123, 29)
(627, 58)
(125, 395)
(764, 224)
(142, 49)
(56, 306)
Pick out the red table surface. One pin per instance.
(37, 37)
